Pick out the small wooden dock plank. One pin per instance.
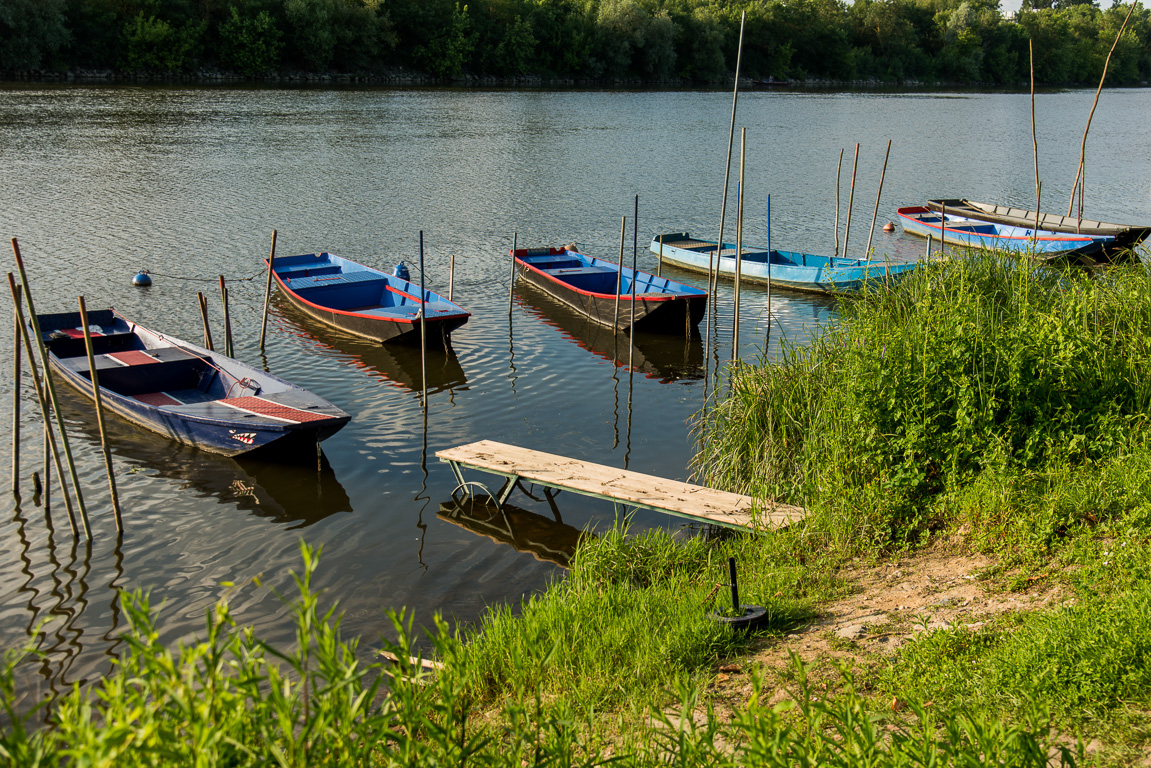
(633, 488)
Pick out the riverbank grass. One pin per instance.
(982, 405)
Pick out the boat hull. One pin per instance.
(973, 233)
(1126, 235)
(364, 301)
(259, 412)
(663, 306)
(805, 272)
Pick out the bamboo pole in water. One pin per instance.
(738, 244)
(227, 318)
(1083, 148)
(204, 317)
(451, 276)
(634, 280)
(16, 408)
(875, 215)
(838, 171)
(659, 264)
(850, 200)
(713, 269)
(100, 416)
(423, 327)
(512, 283)
(51, 389)
(52, 452)
(268, 291)
(619, 274)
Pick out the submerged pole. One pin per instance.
(850, 200)
(423, 326)
(51, 389)
(1078, 185)
(619, 274)
(227, 319)
(738, 245)
(878, 194)
(712, 271)
(512, 283)
(634, 280)
(268, 290)
(204, 317)
(838, 171)
(100, 416)
(16, 408)
(51, 452)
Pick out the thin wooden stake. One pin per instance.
(451, 276)
(512, 283)
(659, 264)
(850, 200)
(227, 319)
(1083, 148)
(713, 271)
(52, 392)
(1034, 135)
(423, 327)
(619, 274)
(838, 171)
(100, 416)
(738, 244)
(634, 280)
(16, 408)
(41, 397)
(268, 290)
(203, 301)
(875, 215)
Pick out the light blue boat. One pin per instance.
(975, 233)
(780, 269)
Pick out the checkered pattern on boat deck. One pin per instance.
(262, 407)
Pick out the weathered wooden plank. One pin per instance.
(633, 488)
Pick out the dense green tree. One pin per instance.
(153, 44)
(31, 32)
(250, 44)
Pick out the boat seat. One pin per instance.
(126, 358)
(361, 276)
(320, 268)
(571, 271)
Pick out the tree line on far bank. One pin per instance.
(651, 41)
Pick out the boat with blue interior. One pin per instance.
(365, 301)
(611, 296)
(781, 269)
(185, 392)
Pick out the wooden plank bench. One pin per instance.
(694, 502)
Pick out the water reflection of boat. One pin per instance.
(658, 356)
(398, 364)
(550, 540)
(285, 492)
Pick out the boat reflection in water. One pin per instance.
(398, 364)
(550, 540)
(301, 492)
(664, 357)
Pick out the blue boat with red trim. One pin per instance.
(596, 287)
(185, 392)
(365, 301)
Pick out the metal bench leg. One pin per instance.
(506, 491)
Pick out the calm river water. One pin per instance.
(189, 183)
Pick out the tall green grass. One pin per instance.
(976, 370)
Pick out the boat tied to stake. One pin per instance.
(186, 392)
(596, 288)
(365, 301)
(1127, 236)
(953, 229)
(781, 269)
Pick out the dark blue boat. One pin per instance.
(597, 288)
(185, 392)
(365, 301)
